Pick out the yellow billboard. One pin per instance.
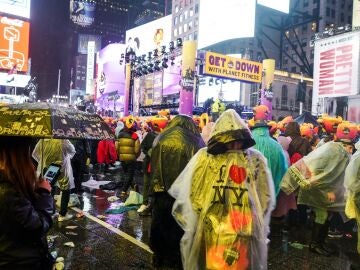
(220, 65)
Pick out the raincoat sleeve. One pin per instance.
(183, 210)
(352, 185)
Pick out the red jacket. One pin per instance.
(106, 152)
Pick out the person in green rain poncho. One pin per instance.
(223, 201)
(269, 147)
(320, 179)
(172, 149)
(352, 185)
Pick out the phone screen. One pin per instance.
(52, 172)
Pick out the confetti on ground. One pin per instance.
(71, 233)
(101, 216)
(71, 227)
(80, 215)
(69, 244)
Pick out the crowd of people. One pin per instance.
(212, 187)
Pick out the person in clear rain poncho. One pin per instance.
(352, 185)
(223, 201)
(320, 179)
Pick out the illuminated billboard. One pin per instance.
(14, 44)
(280, 5)
(19, 8)
(230, 20)
(150, 36)
(82, 12)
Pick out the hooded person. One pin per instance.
(299, 146)
(352, 185)
(171, 151)
(270, 148)
(224, 198)
(320, 179)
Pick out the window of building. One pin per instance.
(349, 19)
(251, 54)
(195, 35)
(175, 32)
(312, 54)
(191, 12)
(306, 3)
(286, 61)
(304, 28)
(304, 42)
(185, 27)
(277, 103)
(328, 12)
(176, 9)
(333, 13)
(292, 104)
(196, 8)
(185, 15)
(176, 20)
(315, 11)
(196, 23)
(333, 2)
(259, 56)
(180, 30)
(314, 1)
(342, 17)
(284, 96)
(293, 69)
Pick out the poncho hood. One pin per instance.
(292, 129)
(229, 128)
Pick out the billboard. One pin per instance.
(209, 87)
(14, 80)
(83, 41)
(20, 8)
(336, 66)
(150, 36)
(229, 67)
(82, 12)
(230, 20)
(14, 44)
(280, 5)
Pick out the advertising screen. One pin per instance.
(230, 20)
(14, 80)
(150, 36)
(83, 41)
(14, 44)
(19, 8)
(82, 12)
(280, 5)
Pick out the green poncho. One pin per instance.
(273, 152)
(172, 150)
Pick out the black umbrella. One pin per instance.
(47, 120)
(306, 117)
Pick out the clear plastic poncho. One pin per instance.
(223, 203)
(317, 174)
(57, 151)
(352, 185)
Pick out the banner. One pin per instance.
(187, 77)
(228, 67)
(14, 44)
(267, 93)
(336, 65)
(356, 15)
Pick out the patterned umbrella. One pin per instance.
(46, 120)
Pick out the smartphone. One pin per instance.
(52, 173)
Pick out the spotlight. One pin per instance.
(149, 55)
(156, 53)
(143, 57)
(122, 56)
(179, 42)
(144, 70)
(164, 62)
(156, 67)
(171, 45)
(150, 69)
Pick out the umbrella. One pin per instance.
(306, 117)
(47, 120)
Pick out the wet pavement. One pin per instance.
(120, 241)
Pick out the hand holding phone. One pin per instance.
(52, 173)
(44, 184)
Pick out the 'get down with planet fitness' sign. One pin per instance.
(228, 67)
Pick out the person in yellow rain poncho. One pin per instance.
(352, 185)
(223, 201)
(320, 179)
(217, 108)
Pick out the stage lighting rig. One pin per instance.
(179, 43)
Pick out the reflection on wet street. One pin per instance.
(120, 241)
